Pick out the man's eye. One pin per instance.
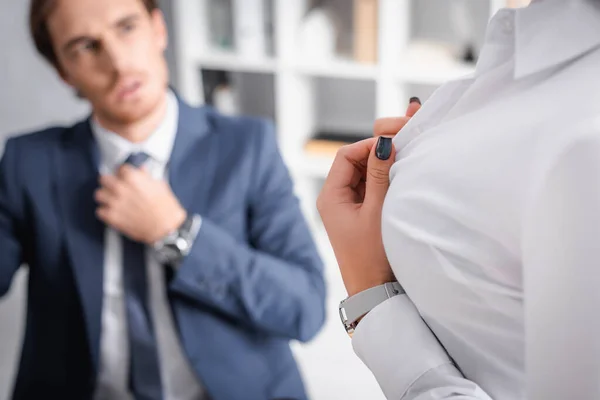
(89, 45)
(128, 27)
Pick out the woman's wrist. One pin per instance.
(366, 285)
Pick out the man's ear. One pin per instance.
(160, 29)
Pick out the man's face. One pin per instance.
(112, 52)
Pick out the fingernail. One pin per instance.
(415, 100)
(383, 151)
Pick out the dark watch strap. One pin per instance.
(175, 246)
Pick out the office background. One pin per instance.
(312, 66)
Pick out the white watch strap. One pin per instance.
(361, 303)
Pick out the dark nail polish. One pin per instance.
(415, 100)
(383, 151)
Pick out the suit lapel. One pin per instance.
(192, 162)
(77, 169)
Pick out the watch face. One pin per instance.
(181, 244)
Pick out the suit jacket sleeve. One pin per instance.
(274, 283)
(10, 217)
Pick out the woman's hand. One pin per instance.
(351, 201)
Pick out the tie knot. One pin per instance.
(137, 159)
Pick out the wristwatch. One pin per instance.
(355, 307)
(176, 245)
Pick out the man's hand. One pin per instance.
(140, 207)
(351, 202)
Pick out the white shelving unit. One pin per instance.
(230, 62)
(294, 86)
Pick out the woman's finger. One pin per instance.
(380, 162)
(389, 126)
(349, 164)
(413, 106)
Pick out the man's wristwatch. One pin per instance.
(176, 245)
(355, 307)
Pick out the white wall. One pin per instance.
(30, 94)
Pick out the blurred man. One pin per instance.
(168, 258)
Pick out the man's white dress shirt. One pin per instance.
(178, 379)
(492, 223)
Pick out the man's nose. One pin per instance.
(116, 55)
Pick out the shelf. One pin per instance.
(343, 69)
(434, 75)
(412, 73)
(312, 166)
(232, 62)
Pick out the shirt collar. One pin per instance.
(552, 32)
(114, 149)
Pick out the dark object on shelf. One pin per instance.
(221, 24)
(328, 143)
(219, 92)
(270, 27)
(211, 80)
(469, 55)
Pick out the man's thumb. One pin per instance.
(380, 162)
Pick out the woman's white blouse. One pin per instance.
(492, 223)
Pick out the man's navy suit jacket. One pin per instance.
(252, 282)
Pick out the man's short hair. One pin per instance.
(39, 12)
